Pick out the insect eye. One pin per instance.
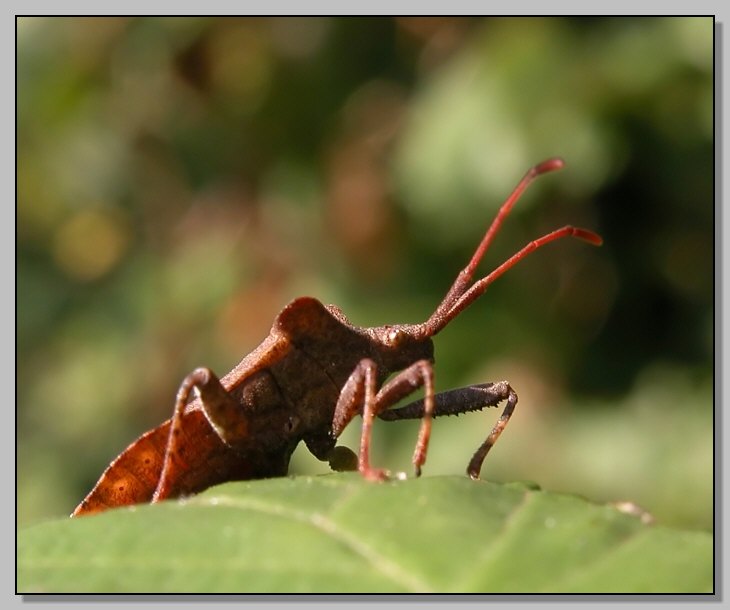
(394, 336)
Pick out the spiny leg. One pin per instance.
(358, 395)
(464, 400)
(221, 410)
(475, 464)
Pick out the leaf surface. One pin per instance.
(338, 533)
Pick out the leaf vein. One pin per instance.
(382, 564)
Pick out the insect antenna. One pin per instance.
(463, 292)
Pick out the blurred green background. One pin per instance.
(181, 179)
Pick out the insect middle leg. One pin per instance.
(464, 400)
(359, 395)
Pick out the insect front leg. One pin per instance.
(224, 414)
(359, 395)
(464, 400)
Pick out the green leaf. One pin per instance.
(338, 533)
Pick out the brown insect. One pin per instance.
(305, 382)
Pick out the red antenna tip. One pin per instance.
(548, 166)
(589, 236)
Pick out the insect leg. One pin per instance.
(464, 400)
(359, 392)
(419, 373)
(358, 396)
(223, 413)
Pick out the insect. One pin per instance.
(305, 382)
